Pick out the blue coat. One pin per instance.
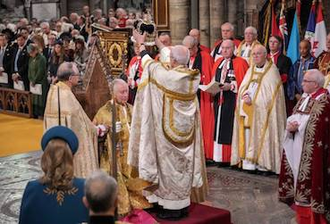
(296, 76)
(41, 205)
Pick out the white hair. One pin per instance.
(180, 54)
(254, 30)
(231, 27)
(46, 24)
(190, 40)
(229, 41)
(12, 27)
(116, 83)
(317, 76)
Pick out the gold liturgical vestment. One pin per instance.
(74, 117)
(259, 129)
(130, 186)
(165, 142)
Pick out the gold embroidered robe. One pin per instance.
(74, 117)
(165, 142)
(246, 52)
(130, 187)
(265, 119)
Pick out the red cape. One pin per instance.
(207, 113)
(240, 68)
(204, 48)
(236, 42)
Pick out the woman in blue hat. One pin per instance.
(56, 197)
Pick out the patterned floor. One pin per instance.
(252, 199)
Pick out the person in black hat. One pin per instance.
(56, 197)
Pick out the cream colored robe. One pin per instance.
(74, 117)
(245, 51)
(165, 142)
(267, 118)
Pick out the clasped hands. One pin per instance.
(292, 126)
(247, 99)
(103, 129)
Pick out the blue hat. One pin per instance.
(63, 133)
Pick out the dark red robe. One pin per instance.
(240, 66)
(204, 62)
(312, 192)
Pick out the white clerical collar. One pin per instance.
(304, 104)
(259, 69)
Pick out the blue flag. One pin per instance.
(293, 48)
(310, 30)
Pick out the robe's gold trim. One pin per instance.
(146, 62)
(241, 137)
(171, 138)
(265, 127)
(308, 147)
(240, 46)
(172, 126)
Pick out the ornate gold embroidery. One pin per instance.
(60, 194)
(188, 139)
(317, 208)
(308, 146)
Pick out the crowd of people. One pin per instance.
(239, 104)
(31, 51)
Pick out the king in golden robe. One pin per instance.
(130, 186)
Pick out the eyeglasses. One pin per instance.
(308, 81)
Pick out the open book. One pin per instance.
(4, 78)
(36, 89)
(213, 87)
(19, 85)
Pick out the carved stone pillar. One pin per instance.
(204, 22)
(179, 20)
(252, 12)
(232, 13)
(217, 13)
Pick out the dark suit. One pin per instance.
(6, 64)
(22, 64)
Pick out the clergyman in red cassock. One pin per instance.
(229, 71)
(202, 61)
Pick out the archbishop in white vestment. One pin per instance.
(165, 142)
(260, 124)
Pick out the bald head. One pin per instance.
(195, 34)
(189, 41)
(259, 54)
(192, 44)
(227, 48)
(179, 55)
(100, 192)
(66, 70)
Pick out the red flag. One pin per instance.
(284, 28)
(298, 10)
(319, 41)
(275, 29)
